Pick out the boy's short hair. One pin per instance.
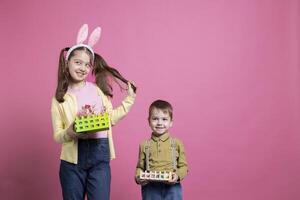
(162, 105)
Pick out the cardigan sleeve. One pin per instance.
(59, 127)
(119, 112)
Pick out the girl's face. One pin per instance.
(79, 66)
(160, 121)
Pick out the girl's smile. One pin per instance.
(79, 67)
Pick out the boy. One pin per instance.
(161, 155)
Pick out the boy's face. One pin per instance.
(160, 121)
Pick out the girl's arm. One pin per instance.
(119, 112)
(59, 127)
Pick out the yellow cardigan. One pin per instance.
(63, 115)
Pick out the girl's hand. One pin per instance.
(73, 135)
(70, 131)
(83, 136)
(130, 90)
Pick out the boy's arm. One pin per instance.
(140, 166)
(141, 162)
(182, 167)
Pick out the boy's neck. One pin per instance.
(159, 135)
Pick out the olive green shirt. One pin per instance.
(160, 156)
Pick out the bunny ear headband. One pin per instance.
(82, 36)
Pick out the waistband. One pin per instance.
(93, 140)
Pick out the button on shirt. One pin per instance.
(160, 156)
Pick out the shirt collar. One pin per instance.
(163, 137)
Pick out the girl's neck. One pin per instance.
(77, 86)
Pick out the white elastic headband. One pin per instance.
(82, 36)
(77, 46)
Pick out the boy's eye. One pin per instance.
(165, 119)
(154, 118)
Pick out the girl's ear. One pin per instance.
(82, 34)
(94, 37)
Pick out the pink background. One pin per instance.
(230, 68)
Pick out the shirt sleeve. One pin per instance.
(59, 128)
(182, 167)
(141, 161)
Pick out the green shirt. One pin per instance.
(160, 156)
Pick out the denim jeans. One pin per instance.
(161, 191)
(91, 175)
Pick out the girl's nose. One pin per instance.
(83, 68)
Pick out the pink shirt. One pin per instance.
(87, 95)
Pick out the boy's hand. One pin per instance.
(174, 179)
(141, 182)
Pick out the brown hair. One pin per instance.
(63, 75)
(162, 105)
(101, 70)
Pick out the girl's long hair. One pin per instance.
(63, 77)
(101, 71)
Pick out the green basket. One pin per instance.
(92, 123)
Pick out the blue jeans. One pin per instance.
(91, 175)
(161, 191)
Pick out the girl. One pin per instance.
(85, 158)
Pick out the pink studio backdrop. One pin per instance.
(230, 68)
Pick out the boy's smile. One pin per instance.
(160, 121)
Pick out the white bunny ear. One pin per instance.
(82, 34)
(94, 37)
